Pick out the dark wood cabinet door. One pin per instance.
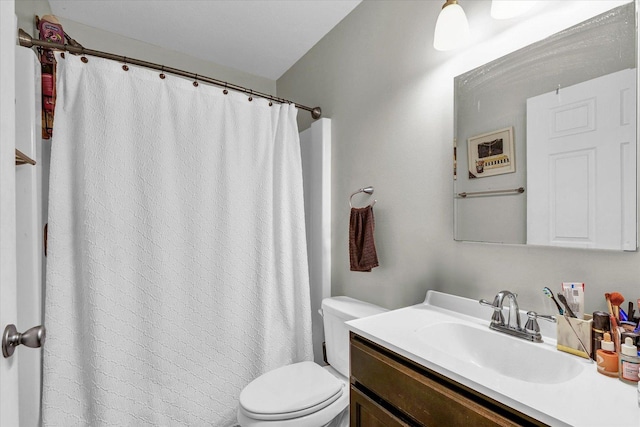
(365, 412)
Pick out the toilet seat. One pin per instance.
(289, 392)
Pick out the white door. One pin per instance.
(581, 164)
(9, 402)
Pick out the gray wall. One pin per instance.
(26, 11)
(94, 38)
(390, 97)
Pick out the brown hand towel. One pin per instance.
(362, 247)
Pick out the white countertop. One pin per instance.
(587, 399)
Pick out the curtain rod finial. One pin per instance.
(24, 38)
(316, 113)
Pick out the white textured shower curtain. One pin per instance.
(177, 267)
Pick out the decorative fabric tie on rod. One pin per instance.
(26, 40)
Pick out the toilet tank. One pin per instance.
(335, 312)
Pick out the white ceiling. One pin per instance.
(261, 37)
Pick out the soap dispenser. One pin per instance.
(629, 362)
(606, 357)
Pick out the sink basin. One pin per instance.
(506, 355)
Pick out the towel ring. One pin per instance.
(368, 190)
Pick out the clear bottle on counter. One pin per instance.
(629, 362)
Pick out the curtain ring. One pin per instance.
(195, 83)
(225, 91)
(162, 76)
(270, 103)
(84, 59)
(125, 66)
(250, 95)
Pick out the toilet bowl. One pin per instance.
(306, 394)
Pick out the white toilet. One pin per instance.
(305, 394)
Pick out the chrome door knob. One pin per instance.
(11, 338)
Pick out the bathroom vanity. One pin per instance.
(437, 363)
(390, 390)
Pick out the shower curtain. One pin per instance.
(177, 266)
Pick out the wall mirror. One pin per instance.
(545, 141)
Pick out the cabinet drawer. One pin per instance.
(365, 412)
(422, 395)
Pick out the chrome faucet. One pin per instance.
(530, 332)
(513, 307)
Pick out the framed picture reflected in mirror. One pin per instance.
(491, 153)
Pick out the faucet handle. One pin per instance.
(532, 326)
(497, 316)
(488, 304)
(534, 315)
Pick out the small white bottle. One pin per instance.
(629, 362)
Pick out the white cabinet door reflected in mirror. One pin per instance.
(580, 165)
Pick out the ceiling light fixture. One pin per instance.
(452, 28)
(506, 9)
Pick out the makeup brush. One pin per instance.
(614, 331)
(616, 301)
(607, 296)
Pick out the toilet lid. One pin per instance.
(290, 391)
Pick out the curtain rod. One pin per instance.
(26, 40)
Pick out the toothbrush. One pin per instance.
(563, 300)
(549, 293)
